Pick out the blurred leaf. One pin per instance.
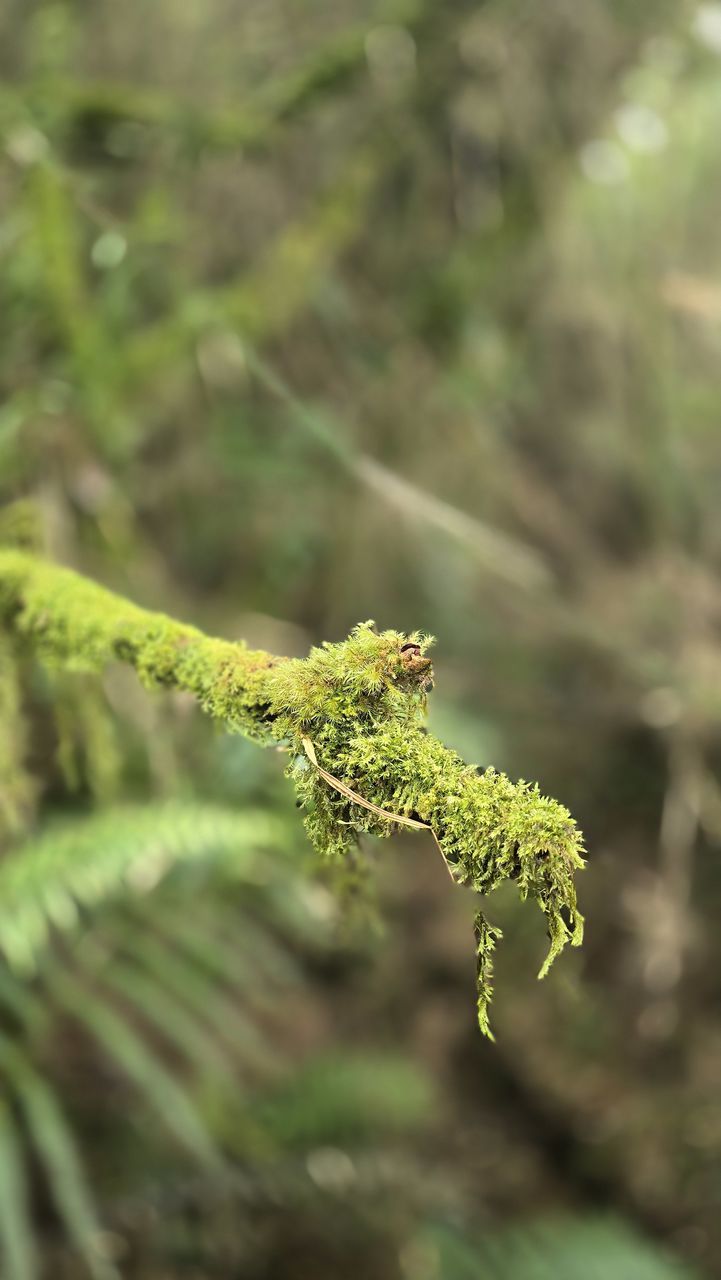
(347, 1099)
(599, 1249)
(56, 1147)
(16, 1232)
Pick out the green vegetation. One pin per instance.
(83, 954)
(354, 708)
(316, 311)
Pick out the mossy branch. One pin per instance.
(73, 623)
(360, 704)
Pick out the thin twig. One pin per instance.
(373, 808)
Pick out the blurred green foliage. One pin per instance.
(314, 312)
(554, 1251)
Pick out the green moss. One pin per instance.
(21, 525)
(360, 704)
(16, 788)
(73, 623)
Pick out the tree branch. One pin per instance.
(360, 704)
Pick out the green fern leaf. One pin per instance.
(16, 1233)
(57, 1150)
(139, 1063)
(44, 884)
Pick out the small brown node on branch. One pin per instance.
(418, 668)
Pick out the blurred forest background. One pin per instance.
(314, 311)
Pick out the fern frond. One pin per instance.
(16, 1234)
(186, 962)
(121, 851)
(57, 1150)
(142, 992)
(142, 984)
(126, 1047)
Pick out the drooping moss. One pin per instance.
(351, 715)
(361, 703)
